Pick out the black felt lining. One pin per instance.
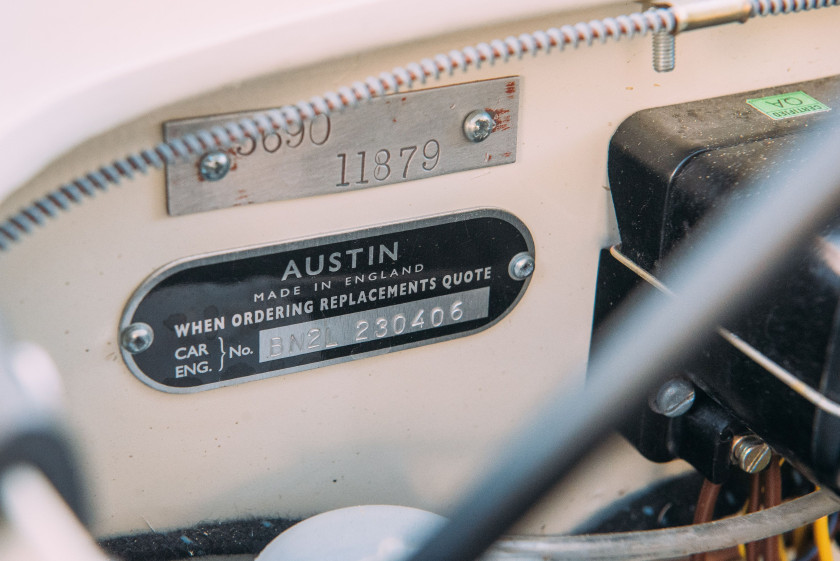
(211, 538)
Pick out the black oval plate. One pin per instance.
(249, 314)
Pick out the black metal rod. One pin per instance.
(739, 248)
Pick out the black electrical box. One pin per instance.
(669, 168)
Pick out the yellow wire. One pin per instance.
(822, 539)
(799, 538)
(783, 556)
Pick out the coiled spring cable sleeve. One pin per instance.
(287, 117)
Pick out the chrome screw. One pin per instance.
(751, 453)
(674, 398)
(137, 337)
(521, 266)
(478, 125)
(664, 47)
(214, 165)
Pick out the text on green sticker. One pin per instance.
(787, 105)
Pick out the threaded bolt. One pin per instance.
(751, 453)
(664, 47)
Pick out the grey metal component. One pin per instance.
(137, 337)
(751, 453)
(30, 506)
(30, 390)
(696, 14)
(478, 125)
(521, 266)
(37, 375)
(673, 398)
(396, 138)
(664, 47)
(31, 430)
(214, 165)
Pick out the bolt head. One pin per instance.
(521, 266)
(214, 165)
(751, 453)
(137, 337)
(674, 398)
(478, 125)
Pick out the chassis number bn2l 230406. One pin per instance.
(253, 313)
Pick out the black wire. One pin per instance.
(713, 281)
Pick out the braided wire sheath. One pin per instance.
(223, 136)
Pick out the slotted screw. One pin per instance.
(751, 453)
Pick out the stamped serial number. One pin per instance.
(271, 142)
(371, 325)
(396, 138)
(384, 164)
(399, 322)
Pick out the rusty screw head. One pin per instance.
(751, 453)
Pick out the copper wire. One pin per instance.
(705, 510)
(772, 479)
(754, 505)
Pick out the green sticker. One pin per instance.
(787, 105)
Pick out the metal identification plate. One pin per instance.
(244, 315)
(396, 138)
